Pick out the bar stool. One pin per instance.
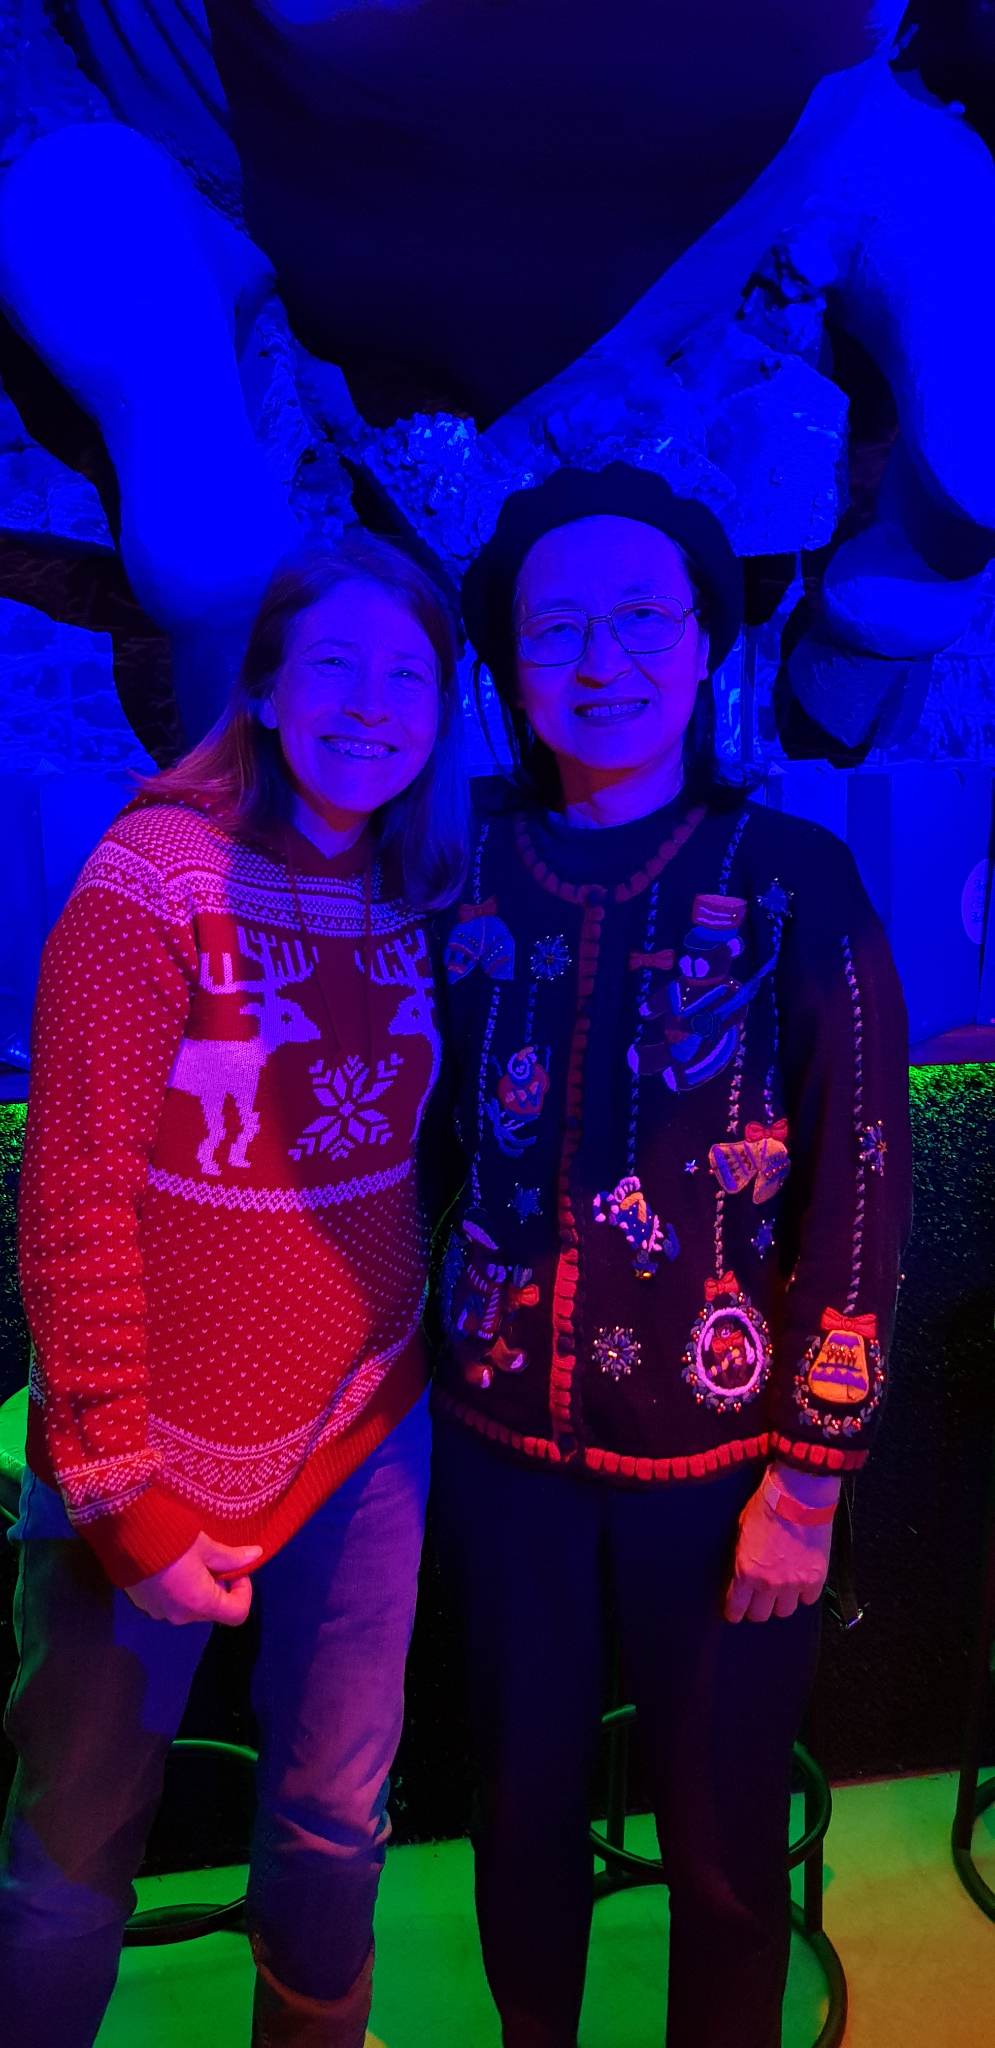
(974, 1797)
(154, 1925)
(623, 1868)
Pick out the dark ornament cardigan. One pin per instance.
(678, 1076)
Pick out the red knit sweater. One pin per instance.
(222, 1257)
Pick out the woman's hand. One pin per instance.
(208, 1583)
(779, 1564)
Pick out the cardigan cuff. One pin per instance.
(809, 1457)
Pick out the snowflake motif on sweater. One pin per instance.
(348, 1094)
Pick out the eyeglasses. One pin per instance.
(646, 625)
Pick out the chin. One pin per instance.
(617, 750)
(359, 788)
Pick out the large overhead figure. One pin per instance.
(626, 241)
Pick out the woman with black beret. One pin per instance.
(679, 1057)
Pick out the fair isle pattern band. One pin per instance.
(108, 1485)
(240, 1482)
(251, 888)
(276, 1201)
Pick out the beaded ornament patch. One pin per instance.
(841, 1380)
(728, 1358)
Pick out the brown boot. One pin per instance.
(282, 2018)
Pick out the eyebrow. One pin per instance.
(576, 604)
(397, 654)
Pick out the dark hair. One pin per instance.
(237, 772)
(533, 765)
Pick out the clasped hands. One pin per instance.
(209, 1583)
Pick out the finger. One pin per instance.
(222, 1600)
(761, 1606)
(811, 1595)
(233, 1602)
(786, 1602)
(227, 1557)
(738, 1598)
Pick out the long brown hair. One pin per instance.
(237, 772)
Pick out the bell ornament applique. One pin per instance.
(480, 938)
(760, 1157)
(728, 1357)
(842, 1377)
(839, 1371)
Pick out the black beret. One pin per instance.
(628, 493)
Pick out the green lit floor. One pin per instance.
(919, 1957)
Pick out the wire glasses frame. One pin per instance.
(650, 625)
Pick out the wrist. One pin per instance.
(813, 1489)
(788, 1508)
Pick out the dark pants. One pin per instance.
(541, 1557)
(98, 1698)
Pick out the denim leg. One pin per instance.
(97, 1700)
(718, 1708)
(523, 1547)
(336, 1611)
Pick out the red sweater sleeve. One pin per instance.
(112, 1002)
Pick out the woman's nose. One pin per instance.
(604, 658)
(366, 701)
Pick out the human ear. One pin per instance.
(267, 714)
(703, 650)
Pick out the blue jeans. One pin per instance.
(98, 1699)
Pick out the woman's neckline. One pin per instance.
(615, 862)
(580, 831)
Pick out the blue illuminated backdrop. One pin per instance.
(814, 361)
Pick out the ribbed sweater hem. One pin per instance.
(156, 1528)
(618, 1466)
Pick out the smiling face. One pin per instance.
(355, 702)
(610, 716)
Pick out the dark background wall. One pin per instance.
(891, 1692)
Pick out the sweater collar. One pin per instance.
(620, 859)
(306, 858)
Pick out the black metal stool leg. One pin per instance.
(618, 1779)
(155, 1926)
(973, 1799)
(813, 1866)
(806, 1919)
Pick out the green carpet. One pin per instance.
(919, 1957)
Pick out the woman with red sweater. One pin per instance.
(223, 1266)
